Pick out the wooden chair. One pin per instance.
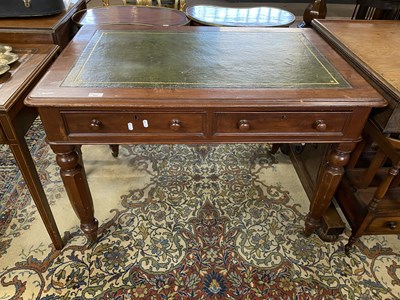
(369, 194)
(377, 10)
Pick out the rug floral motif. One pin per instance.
(196, 222)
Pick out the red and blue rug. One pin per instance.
(182, 222)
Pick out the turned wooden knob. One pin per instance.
(95, 124)
(319, 125)
(392, 225)
(244, 125)
(175, 124)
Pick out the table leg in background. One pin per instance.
(28, 169)
(327, 183)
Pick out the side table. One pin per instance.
(16, 119)
(57, 29)
(137, 15)
(379, 67)
(381, 71)
(260, 16)
(369, 194)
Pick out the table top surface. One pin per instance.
(128, 14)
(46, 22)
(206, 64)
(375, 45)
(32, 59)
(260, 16)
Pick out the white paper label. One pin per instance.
(97, 95)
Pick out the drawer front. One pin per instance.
(144, 123)
(281, 123)
(384, 225)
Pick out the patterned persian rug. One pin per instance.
(182, 222)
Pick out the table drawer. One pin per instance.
(329, 123)
(384, 225)
(134, 123)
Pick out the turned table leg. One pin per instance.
(114, 150)
(327, 182)
(69, 158)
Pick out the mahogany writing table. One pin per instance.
(120, 84)
(16, 119)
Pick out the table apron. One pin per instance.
(101, 126)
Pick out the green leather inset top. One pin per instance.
(209, 59)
